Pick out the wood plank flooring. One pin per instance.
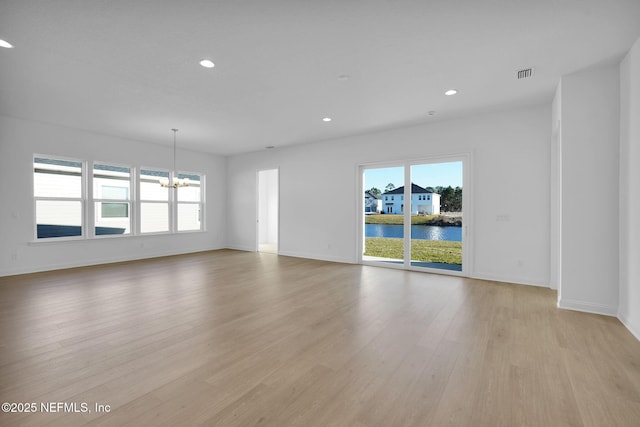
(228, 338)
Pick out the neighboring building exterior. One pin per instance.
(372, 203)
(423, 201)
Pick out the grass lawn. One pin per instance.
(421, 250)
(398, 219)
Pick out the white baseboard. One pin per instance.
(101, 261)
(316, 257)
(241, 248)
(635, 330)
(294, 254)
(516, 280)
(588, 307)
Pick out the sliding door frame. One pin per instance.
(467, 209)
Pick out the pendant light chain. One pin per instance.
(174, 181)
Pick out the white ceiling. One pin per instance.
(130, 68)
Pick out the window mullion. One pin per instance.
(134, 182)
(407, 214)
(89, 206)
(173, 207)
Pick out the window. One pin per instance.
(58, 197)
(154, 202)
(189, 210)
(112, 200)
(111, 196)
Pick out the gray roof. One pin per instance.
(415, 189)
(370, 194)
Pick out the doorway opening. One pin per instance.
(268, 211)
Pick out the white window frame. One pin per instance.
(130, 201)
(200, 203)
(88, 219)
(82, 199)
(139, 201)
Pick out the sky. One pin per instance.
(426, 175)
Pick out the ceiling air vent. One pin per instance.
(525, 73)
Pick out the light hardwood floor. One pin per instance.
(240, 339)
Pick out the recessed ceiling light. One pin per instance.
(4, 43)
(207, 63)
(431, 113)
(451, 92)
(326, 119)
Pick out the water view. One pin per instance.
(422, 232)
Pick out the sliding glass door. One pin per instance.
(384, 215)
(412, 214)
(436, 211)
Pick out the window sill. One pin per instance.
(66, 240)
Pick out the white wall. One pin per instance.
(510, 155)
(20, 139)
(629, 311)
(589, 161)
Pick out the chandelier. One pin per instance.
(174, 181)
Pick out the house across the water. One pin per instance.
(423, 201)
(372, 203)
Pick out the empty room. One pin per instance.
(356, 213)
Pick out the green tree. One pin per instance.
(450, 198)
(389, 187)
(456, 205)
(446, 199)
(375, 191)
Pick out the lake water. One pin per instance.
(425, 232)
